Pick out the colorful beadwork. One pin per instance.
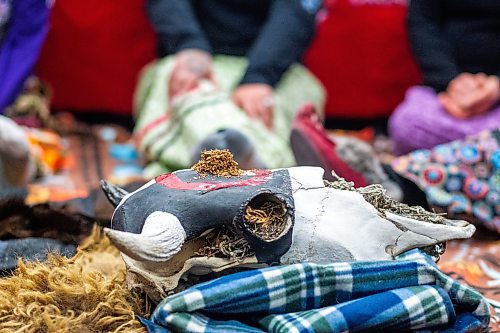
(438, 197)
(400, 164)
(466, 170)
(434, 175)
(495, 181)
(444, 154)
(454, 184)
(415, 168)
(469, 154)
(482, 170)
(495, 159)
(475, 188)
(461, 176)
(459, 204)
(493, 198)
(420, 156)
(482, 210)
(488, 145)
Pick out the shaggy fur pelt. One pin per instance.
(86, 293)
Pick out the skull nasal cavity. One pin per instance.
(267, 217)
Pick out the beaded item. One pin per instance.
(462, 176)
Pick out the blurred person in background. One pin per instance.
(362, 55)
(457, 45)
(231, 80)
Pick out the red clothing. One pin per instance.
(94, 52)
(362, 55)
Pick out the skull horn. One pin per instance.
(114, 193)
(162, 236)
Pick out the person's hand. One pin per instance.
(257, 100)
(190, 66)
(470, 94)
(452, 107)
(464, 90)
(485, 96)
(465, 83)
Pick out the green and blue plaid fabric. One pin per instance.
(409, 294)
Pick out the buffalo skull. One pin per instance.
(160, 227)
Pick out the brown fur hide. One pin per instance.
(86, 293)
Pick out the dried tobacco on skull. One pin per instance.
(376, 195)
(217, 163)
(225, 243)
(266, 220)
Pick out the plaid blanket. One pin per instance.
(409, 294)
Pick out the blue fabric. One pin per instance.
(152, 327)
(408, 294)
(20, 46)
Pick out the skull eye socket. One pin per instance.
(267, 217)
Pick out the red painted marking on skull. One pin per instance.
(171, 180)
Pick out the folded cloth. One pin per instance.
(409, 294)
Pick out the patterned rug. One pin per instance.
(476, 262)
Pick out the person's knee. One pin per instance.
(418, 102)
(402, 129)
(408, 118)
